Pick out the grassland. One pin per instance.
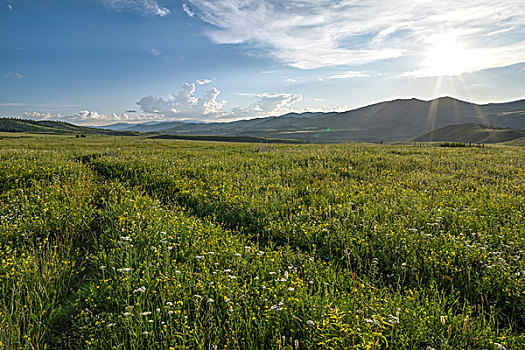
(131, 243)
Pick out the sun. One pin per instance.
(449, 57)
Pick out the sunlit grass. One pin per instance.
(122, 243)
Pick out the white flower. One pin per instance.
(211, 253)
(150, 321)
(125, 269)
(111, 325)
(126, 314)
(199, 257)
(145, 313)
(140, 290)
(237, 254)
(177, 271)
(499, 346)
(310, 322)
(127, 238)
(169, 303)
(102, 267)
(157, 310)
(145, 333)
(210, 300)
(291, 289)
(227, 270)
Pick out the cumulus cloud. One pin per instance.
(185, 104)
(150, 7)
(37, 115)
(267, 104)
(310, 34)
(349, 74)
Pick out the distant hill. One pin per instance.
(385, 121)
(470, 132)
(53, 127)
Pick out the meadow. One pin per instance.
(130, 243)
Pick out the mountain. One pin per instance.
(475, 133)
(386, 121)
(53, 127)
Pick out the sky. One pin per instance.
(97, 62)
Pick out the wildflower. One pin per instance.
(145, 333)
(125, 269)
(102, 267)
(199, 257)
(126, 314)
(157, 310)
(140, 290)
(169, 303)
(291, 289)
(111, 325)
(227, 270)
(126, 238)
(310, 322)
(237, 254)
(150, 321)
(210, 300)
(145, 313)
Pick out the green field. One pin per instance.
(133, 243)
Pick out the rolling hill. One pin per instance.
(385, 121)
(53, 127)
(470, 132)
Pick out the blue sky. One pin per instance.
(97, 62)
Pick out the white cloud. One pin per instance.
(186, 9)
(267, 104)
(37, 115)
(349, 74)
(12, 75)
(203, 81)
(150, 7)
(310, 34)
(10, 7)
(185, 104)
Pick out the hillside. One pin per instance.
(385, 121)
(53, 127)
(470, 132)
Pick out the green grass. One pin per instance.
(131, 243)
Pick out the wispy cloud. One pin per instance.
(310, 34)
(13, 75)
(186, 9)
(349, 74)
(150, 7)
(10, 7)
(203, 81)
